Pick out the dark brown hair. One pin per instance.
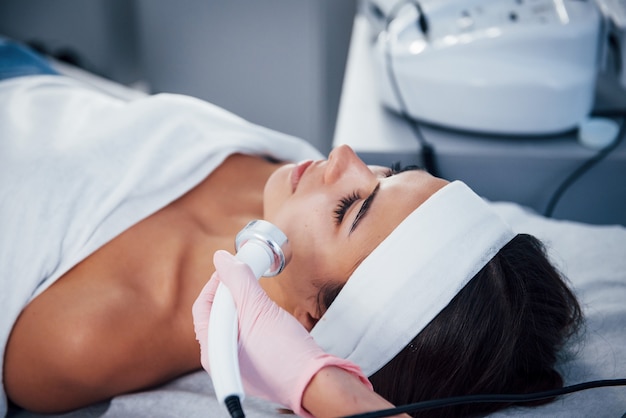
(501, 334)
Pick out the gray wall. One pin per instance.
(278, 63)
(101, 31)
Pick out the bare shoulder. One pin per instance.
(115, 323)
(120, 320)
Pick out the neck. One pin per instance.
(272, 287)
(231, 196)
(285, 291)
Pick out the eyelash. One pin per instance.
(344, 205)
(396, 168)
(347, 201)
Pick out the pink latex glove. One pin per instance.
(277, 356)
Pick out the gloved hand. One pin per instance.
(277, 356)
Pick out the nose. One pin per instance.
(343, 160)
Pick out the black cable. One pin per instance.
(233, 404)
(583, 168)
(427, 149)
(496, 398)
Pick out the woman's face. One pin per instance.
(335, 212)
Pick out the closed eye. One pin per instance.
(344, 205)
(364, 208)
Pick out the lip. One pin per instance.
(297, 172)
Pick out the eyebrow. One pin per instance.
(364, 209)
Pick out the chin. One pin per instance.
(277, 190)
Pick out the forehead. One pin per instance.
(398, 196)
(405, 191)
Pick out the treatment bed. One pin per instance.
(592, 257)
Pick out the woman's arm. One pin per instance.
(333, 392)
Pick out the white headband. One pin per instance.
(411, 276)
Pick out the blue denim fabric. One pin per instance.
(18, 60)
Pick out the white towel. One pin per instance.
(78, 167)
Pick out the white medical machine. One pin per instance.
(511, 67)
(614, 12)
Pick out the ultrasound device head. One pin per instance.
(276, 251)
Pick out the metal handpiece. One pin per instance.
(265, 248)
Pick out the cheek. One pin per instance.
(307, 220)
(316, 264)
(277, 190)
(308, 226)
(302, 224)
(298, 216)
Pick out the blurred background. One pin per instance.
(277, 63)
(317, 69)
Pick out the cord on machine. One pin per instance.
(427, 150)
(587, 165)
